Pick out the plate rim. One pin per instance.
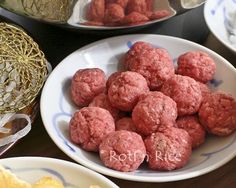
(118, 174)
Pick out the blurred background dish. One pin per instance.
(71, 175)
(57, 108)
(58, 43)
(220, 17)
(72, 14)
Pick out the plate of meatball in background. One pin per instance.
(120, 14)
(126, 14)
(145, 108)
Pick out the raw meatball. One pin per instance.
(93, 23)
(124, 91)
(122, 150)
(158, 14)
(168, 150)
(102, 101)
(149, 5)
(136, 6)
(155, 65)
(197, 65)
(218, 114)
(89, 126)
(122, 3)
(96, 10)
(134, 18)
(205, 90)
(153, 112)
(125, 123)
(111, 78)
(136, 49)
(86, 84)
(114, 13)
(195, 130)
(185, 91)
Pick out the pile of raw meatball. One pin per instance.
(149, 111)
(122, 12)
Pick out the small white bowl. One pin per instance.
(71, 175)
(57, 107)
(218, 13)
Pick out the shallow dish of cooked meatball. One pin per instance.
(130, 108)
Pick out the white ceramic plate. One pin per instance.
(217, 13)
(57, 107)
(71, 175)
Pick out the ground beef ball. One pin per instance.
(136, 6)
(168, 150)
(122, 150)
(218, 114)
(149, 5)
(192, 125)
(86, 84)
(136, 49)
(93, 23)
(198, 65)
(125, 123)
(155, 65)
(96, 10)
(89, 126)
(205, 90)
(185, 91)
(134, 18)
(111, 78)
(153, 112)
(122, 3)
(113, 13)
(158, 14)
(102, 101)
(125, 90)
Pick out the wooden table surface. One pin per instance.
(38, 143)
